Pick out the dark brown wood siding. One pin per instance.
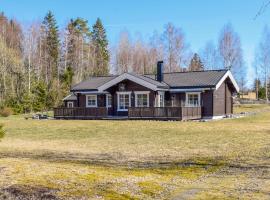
(223, 100)
(207, 103)
(177, 99)
(219, 101)
(129, 87)
(229, 103)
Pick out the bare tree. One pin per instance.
(210, 57)
(230, 51)
(175, 47)
(263, 58)
(124, 51)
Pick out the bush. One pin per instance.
(2, 132)
(5, 112)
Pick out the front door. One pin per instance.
(123, 102)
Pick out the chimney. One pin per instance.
(160, 71)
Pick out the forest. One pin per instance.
(40, 61)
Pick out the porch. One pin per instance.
(160, 113)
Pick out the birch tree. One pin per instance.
(263, 59)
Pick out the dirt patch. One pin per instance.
(26, 192)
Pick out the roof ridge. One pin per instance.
(210, 70)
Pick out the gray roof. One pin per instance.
(151, 79)
(70, 97)
(196, 79)
(92, 83)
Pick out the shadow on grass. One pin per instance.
(27, 192)
(110, 160)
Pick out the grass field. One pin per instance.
(54, 159)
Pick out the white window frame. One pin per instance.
(118, 100)
(199, 99)
(91, 106)
(107, 100)
(157, 100)
(70, 103)
(136, 97)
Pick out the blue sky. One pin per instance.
(200, 20)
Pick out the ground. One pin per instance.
(57, 159)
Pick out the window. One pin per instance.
(109, 100)
(192, 99)
(70, 104)
(159, 100)
(91, 100)
(142, 99)
(123, 101)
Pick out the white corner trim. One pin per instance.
(228, 74)
(129, 77)
(67, 97)
(86, 103)
(141, 92)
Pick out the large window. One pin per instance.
(91, 100)
(192, 99)
(142, 99)
(123, 101)
(109, 100)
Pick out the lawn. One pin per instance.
(57, 159)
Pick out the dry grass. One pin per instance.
(249, 107)
(136, 159)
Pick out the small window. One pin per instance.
(70, 104)
(91, 101)
(161, 100)
(109, 100)
(142, 100)
(193, 100)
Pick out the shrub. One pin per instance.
(2, 132)
(5, 112)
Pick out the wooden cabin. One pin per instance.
(178, 96)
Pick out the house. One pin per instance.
(178, 95)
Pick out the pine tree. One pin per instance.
(196, 63)
(100, 43)
(51, 45)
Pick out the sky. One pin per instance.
(201, 20)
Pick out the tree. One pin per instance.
(124, 51)
(263, 59)
(78, 48)
(230, 51)
(100, 42)
(210, 56)
(175, 47)
(50, 45)
(196, 63)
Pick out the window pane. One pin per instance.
(109, 100)
(142, 100)
(91, 100)
(123, 101)
(193, 99)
